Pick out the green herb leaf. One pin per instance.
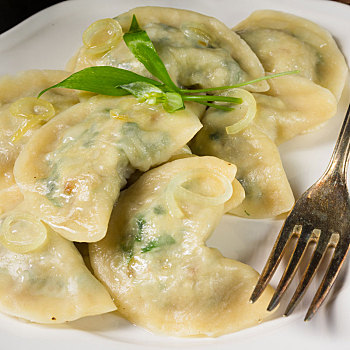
(153, 95)
(173, 102)
(158, 242)
(114, 81)
(104, 80)
(139, 43)
(143, 91)
(140, 222)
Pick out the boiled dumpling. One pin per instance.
(259, 167)
(299, 103)
(197, 50)
(286, 42)
(154, 260)
(293, 106)
(12, 88)
(72, 169)
(43, 277)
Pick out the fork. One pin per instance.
(321, 215)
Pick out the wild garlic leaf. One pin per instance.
(173, 102)
(104, 80)
(143, 90)
(139, 43)
(153, 95)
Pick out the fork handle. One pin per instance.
(340, 156)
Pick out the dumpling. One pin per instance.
(285, 42)
(154, 260)
(259, 167)
(294, 104)
(197, 50)
(43, 277)
(12, 88)
(70, 172)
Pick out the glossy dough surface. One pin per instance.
(293, 106)
(157, 266)
(299, 103)
(285, 42)
(72, 169)
(259, 167)
(50, 284)
(197, 50)
(27, 83)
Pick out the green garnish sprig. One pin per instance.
(112, 81)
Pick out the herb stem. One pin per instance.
(197, 98)
(213, 105)
(185, 91)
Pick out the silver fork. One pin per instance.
(321, 215)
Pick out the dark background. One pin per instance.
(13, 12)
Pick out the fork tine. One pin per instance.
(274, 259)
(332, 272)
(317, 256)
(293, 264)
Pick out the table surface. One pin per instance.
(12, 13)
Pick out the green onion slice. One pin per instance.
(250, 103)
(176, 189)
(21, 232)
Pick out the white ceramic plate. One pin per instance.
(47, 40)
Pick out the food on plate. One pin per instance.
(14, 130)
(111, 169)
(283, 41)
(43, 276)
(197, 50)
(259, 167)
(293, 105)
(71, 171)
(299, 103)
(154, 260)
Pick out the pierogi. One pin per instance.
(293, 105)
(286, 42)
(61, 181)
(197, 50)
(12, 88)
(71, 171)
(154, 260)
(259, 167)
(49, 284)
(298, 103)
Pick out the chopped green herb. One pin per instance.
(246, 213)
(159, 210)
(215, 136)
(158, 242)
(140, 222)
(52, 186)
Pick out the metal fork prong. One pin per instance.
(308, 275)
(293, 264)
(332, 272)
(273, 260)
